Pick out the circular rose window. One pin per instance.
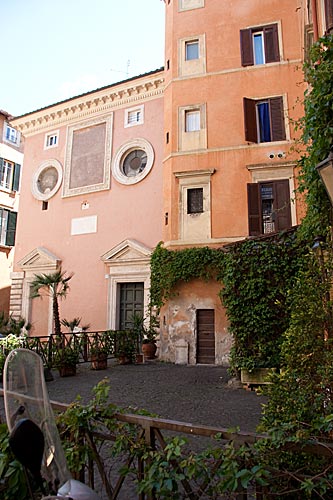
(47, 180)
(133, 161)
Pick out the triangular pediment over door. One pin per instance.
(39, 260)
(127, 263)
(127, 252)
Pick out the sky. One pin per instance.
(54, 50)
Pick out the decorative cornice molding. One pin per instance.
(83, 107)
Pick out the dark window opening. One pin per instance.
(167, 137)
(195, 200)
(268, 207)
(45, 205)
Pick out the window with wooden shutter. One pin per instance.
(7, 227)
(262, 39)
(16, 177)
(268, 207)
(11, 229)
(282, 205)
(264, 120)
(277, 119)
(329, 15)
(250, 120)
(254, 209)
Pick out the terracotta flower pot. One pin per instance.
(99, 361)
(149, 350)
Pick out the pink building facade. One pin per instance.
(92, 203)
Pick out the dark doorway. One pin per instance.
(205, 336)
(131, 297)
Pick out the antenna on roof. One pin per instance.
(124, 72)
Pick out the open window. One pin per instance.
(264, 120)
(259, 45)
(269, 207)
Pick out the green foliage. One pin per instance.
(303, 389)
(54, 285)
(11, 325)
(317, 135)
(256, 278)
(74, 323)
(167, 268)
(12, 479)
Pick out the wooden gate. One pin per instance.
(205, 336)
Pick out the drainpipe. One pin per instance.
(314, 19)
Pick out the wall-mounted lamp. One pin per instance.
(325, 170)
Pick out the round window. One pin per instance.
(46, 180)
(133, 161)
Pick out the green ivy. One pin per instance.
(254, 275)
(170, 267)
(317, 136)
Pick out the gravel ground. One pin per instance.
(196, 394)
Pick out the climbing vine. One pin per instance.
(169, 267)
(255, 276)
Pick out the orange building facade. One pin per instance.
(198, 153)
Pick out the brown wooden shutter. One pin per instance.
(250, 120)
(329, 15)
(281, 205)
(254, 209)
(246, 47)
(272, 53)
(277, 119)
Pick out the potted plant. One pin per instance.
(99, 352)
(66, 358)
(149, 346)
(126, 347)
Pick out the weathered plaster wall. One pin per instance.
(178, 321)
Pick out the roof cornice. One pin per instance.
(95, 103)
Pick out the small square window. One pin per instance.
(195, 200)
(192, 50)
(51, 140)
(11, 135)
(192, 120)
(133, 116)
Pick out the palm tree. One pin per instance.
(54, 285)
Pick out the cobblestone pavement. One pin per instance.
(196, 394)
